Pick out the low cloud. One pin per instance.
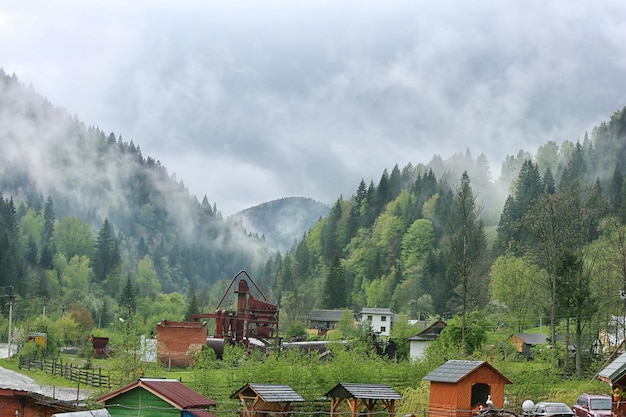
(248, 102)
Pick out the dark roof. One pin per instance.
(431, 332)
(366, 391)
(375, 310)
(269, 393)
(455, 370)
(614, 371)
(532, 338)
(170, 390)
(326, 315)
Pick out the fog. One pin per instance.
(247, 102)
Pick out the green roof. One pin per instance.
(615, 370)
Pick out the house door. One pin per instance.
(479, 393)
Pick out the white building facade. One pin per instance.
(379, 320)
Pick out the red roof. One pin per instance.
(170, 390)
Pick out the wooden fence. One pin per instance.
(91, 377)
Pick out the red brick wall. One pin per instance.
(177, 340)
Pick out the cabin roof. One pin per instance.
(455, 370)
(172, 391)
(269, 393)
(365, 391)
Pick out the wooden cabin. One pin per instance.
(523, 342)
(459, 388)
(264, 399)
(149, 397)
(15, 402)
(357, 396)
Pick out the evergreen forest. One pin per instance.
(91, 231)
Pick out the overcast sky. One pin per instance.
(250, 101)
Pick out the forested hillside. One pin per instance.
(90, 226)
(85, 213)
(281, 223)
(426, 245)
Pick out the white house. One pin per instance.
(419, 342)
(379, 320)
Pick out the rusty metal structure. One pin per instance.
(253, 319)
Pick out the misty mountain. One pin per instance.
(402, 242)
(282, 223)
(46, 154)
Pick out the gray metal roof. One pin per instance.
(430, 333)
(326, 315)
(615, 370)
(376, 310)
(269, 393)
(366, 391)
(455, 370)
(533, 338)
(452, 371)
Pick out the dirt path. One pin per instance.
(15, 380)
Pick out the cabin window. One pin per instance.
(479, 393)
(383, 329)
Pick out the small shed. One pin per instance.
(524, 341)
(30, 404)
(419, 342)
(264, 399)
(100, 346)
(148, 397)
(358, 395)
(614, 374)
(458, 388)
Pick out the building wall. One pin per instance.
(140, 403)
(13, 404)
(176, 341)
(454, 400)
(380, 323)
(417, 348)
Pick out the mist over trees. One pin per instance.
(94, 227)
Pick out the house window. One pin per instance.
(383, 318)
(369, 318)
(383, 329)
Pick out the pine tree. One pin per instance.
(334, 295)
(47, 245)
(127, 300)
(106, 254)
(467, 248)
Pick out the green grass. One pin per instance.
(536, 380)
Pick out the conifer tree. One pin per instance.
(334, 295)
(106, 254)
(467, 249)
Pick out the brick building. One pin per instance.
(177, 341)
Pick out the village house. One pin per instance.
(379, 320)
(419, 342)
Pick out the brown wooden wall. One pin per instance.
(454, 400)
